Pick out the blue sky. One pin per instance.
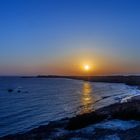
(56, 36)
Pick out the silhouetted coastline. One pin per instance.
(129, 80)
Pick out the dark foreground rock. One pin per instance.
(125, 111)
(91, 125)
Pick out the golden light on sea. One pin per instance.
(86, 98)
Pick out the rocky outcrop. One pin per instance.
(126, 111)
(69, 128)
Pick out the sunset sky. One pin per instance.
(60, 36)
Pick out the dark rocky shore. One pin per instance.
(90, 126)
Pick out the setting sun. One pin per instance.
(86, 67)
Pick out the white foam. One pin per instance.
(118, 124)
(129, 98)
(110, 137)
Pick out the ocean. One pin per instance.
(26, 103)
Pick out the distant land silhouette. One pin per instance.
(129, 80)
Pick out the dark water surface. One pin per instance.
(34, 102)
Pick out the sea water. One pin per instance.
(26, 103)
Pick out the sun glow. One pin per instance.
(86, 67)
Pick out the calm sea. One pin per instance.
(34, 101)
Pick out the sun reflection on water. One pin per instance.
(86, 99)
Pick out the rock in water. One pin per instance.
(10, 90)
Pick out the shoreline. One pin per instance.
(67, 127)
(133, 80)
(126, 110)
(128, 80)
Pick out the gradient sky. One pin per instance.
(59, 36)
